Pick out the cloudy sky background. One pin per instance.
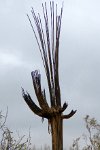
(79, 65)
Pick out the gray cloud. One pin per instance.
(79, 65)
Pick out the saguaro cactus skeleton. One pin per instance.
(48, 43)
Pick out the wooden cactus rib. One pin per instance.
(69, 115)
(43, 111)
(38, 91)
(31, 104)
(49, 49)
(43, 50)
(49, 52)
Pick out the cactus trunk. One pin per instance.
(48, 43)
(57, 132)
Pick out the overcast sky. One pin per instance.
(79, 65)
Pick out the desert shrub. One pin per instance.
(7, 141)
(92, 139)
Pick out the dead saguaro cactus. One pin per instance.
(48, 43)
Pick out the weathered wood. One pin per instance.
(49, 49)
(57, 132)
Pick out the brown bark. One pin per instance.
(49, 50)
(57, 132)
